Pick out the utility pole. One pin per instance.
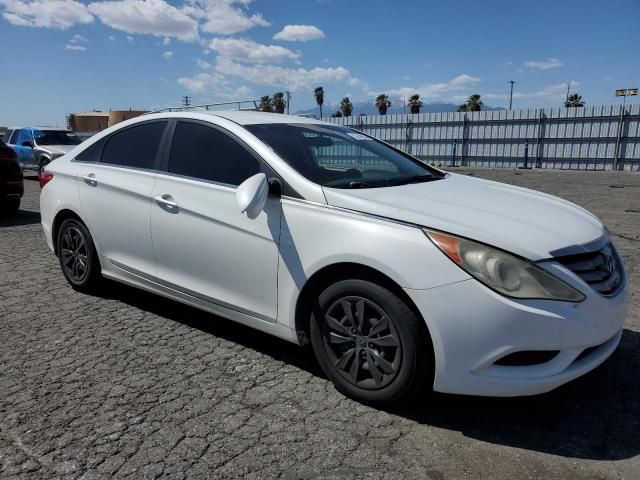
(511, 94)
(568, 89)
(288, 100)
(186, 101)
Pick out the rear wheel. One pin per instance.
(78, 256)
(370, 343)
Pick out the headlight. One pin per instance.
(502, 272)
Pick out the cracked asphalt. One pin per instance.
(130, 385)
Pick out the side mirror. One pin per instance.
(252, 195)
(27, 144)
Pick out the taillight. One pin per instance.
(45, 177)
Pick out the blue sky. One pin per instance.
(62, 56)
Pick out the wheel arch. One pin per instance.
(341, 271)
(60, 217)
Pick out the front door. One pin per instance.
(204, 246)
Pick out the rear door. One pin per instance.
(115, 192)
(204, 246)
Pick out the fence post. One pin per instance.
(526, 153)
(464, 137)
(453, 153)
(616, 157)
(540, 139)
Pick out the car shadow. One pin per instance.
(19, 218)
(596, 417)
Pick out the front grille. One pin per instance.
(601, 269)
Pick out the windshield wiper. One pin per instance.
(416, 179)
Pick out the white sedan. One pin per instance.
(401, 276)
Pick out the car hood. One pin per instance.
(55, 149)
(526, 222)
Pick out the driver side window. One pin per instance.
(25, 136)
(335, 153)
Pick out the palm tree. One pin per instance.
(318, 93)
(383, 103)
(473, 104)
(346, 107)
(337, 114)
(415, 103)
(265, 104)
(574, 100)
(278, 102)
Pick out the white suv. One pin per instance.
(400, 275)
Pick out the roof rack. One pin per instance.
(213, 106)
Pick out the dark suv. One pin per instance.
(11, 183)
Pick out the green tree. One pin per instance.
(346, 107)
(278, 102)
(473, 104)
(337, 114)
(265, 104)
(574, 101)
(382, 103)
(318, 94)
(415, 103)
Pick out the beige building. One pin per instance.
(93, 122)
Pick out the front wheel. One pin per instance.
(78, 257)
(370, 343)
(41, 166)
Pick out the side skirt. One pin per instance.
(121, 275)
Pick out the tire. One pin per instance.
(400, 351)
(41, 166)
(78, 257)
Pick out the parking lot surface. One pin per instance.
(130, 385)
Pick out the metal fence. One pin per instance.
(589, 138)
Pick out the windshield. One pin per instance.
(55, 137)
(340, 157)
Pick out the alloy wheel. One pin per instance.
(362, 342)
(74, 252)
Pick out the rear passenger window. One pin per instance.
(206, 153)
(7, 136)
(134, 147)
(92, 153)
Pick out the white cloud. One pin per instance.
(153, 17)
(282, 77)
(130, 39)
(168, 55)
(243, 50)
(223, 17)
(112, 38)
(60, 14)
(439, 91)
(202, 65)
(556, 92)
(78, 48)
(78, 39)
(214, 84)
(299, 33)
(543, 64)
(166, 41)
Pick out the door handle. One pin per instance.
(165, 201)
(90, 180)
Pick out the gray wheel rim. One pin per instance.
(74, 254)
(362, 342)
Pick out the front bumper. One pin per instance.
(472, 327)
